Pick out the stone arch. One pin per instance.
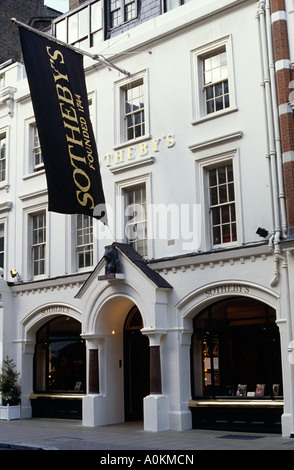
(200, 298)
(30, 324)
(99, 316)
(40, 315)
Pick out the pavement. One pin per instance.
(128, 439)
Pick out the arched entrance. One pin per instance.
(136, 366)
(59, 369)
(236, 355)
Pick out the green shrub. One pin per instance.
(9, 386)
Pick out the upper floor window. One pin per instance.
(171, 4)
(2, 157)
(214, 92)
(222, 204)
(38, 227)
(132, 116)
(1, 245)
(37, 156)
(134, 111)
(82, 27)
(84, 239)
(122, 11)
(136, 218)
(215, 81)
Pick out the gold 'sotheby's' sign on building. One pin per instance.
(58, 90)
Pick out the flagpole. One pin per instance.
(76, 49)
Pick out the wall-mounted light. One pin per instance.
(14, 274)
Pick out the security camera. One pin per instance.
(262, 232)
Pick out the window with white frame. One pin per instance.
(132, 116)
(222, 204)
(214, 92)
(84, 241)
(215, 82)
(2, 157)
(134, 110)
(136, 217)
(133, 213)
(37, 157)
(1, 245)
(171, 4)
(38, 243)
(81, 27)
(121, 11)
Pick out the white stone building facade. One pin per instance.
(186, 138)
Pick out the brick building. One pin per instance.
(32, 12)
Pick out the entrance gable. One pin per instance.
(128, 258)
(135, 280)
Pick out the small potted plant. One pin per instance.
(10, 391)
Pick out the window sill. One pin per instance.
(34, 174)
(209, 117)
(129, 143)
(223, 246)
(4, 185)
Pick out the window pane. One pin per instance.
(216, 216)
(73, 28)
(60, 30)
(39, 243)
(219, 104)
(96, 17)
(223, 215)
(218, 89)
(2, 246)
(216, 235)
(209, 92)
(222, 175)
(130, 10)
(83, 23)
(214, 196)
(84, 241)
(136, 218)
(171, 4)
(215, 74)
(2, 158)
(134, 101)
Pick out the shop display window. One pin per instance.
(236, 351)
(60, 357)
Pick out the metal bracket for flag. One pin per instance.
(98, 57)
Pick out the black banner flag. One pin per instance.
(58, 90)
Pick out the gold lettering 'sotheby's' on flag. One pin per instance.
(59, 96)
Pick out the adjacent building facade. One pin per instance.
(192, 326)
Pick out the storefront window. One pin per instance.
(236, 351)
(60, 357)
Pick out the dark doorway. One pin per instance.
(136, 366)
